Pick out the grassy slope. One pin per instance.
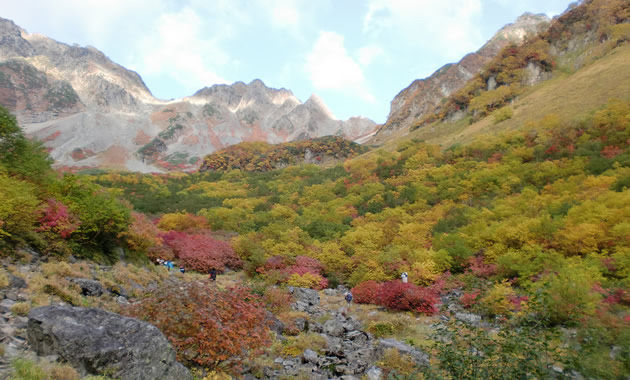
(569, 96)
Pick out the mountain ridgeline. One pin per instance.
(91, 112)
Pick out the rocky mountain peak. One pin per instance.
(91, 112)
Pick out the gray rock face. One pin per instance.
(91, 288)
(95, 341)
(305, 299)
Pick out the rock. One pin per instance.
(301, 324)
(418, 356)
(122, 300)
(5, 305)
(274, 323)
(333, 327)
(95, 341)
(305, 299)
(12, 295)
(310, 356)
(330, 292)
(16, 282)
(91, 288)
(468, 318)
(118, 291)
(374, 373)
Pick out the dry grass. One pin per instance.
(21, 308)
(296, 345)
(4, 278)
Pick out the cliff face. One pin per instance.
(423, 95)
(92, 112)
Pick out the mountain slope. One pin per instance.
(92, 112)
(423, 95)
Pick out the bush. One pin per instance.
(201, 252)
(398, 363)
(182, 222)
(307, 280)
(277, 300)
(471, 353)
(366, 292)
(502, 114)
(498, 300)
(233, 321)
(396, 295)
(142, 234)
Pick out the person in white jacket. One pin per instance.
(403, 277)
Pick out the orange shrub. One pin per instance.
(206, 325)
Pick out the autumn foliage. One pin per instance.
(396, 295)
(206, 325)
(201, 252)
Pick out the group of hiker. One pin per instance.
(170, 265)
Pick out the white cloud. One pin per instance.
(331, 68)
(446, 24)
(178, 48)
(367, 54)
(284, 14)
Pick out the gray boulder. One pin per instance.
(305, 299)
(95, 341)
(333, 327)
(418, 356)
(91, 288)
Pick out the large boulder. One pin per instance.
(305, 299)
(95, 341)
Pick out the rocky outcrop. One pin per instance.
(349, 352)
(423, 95)
(95, 341)
(92, 112)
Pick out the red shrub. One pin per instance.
(309, 263)
(57, 219)
(201, 252)
(275, 263)
(468, 299)
(366, 292)
(205, 324)
(517, 301)
(481, 269)
(397, 295)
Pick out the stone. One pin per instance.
(6, 304)
(333, 327)
(301, 324)
(310, 356)
(95, 341)
(330, 292)
(90, 288)
(469, 318)
(305, 298)
(374, 373)
(274, 323)
(418, 356)
(16, 282)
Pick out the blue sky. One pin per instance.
(355, 55)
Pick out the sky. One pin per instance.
(355, 55)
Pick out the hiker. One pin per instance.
(403, 277)
(182, 269)
(213, 274)
(348, 298)
(169, 265)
